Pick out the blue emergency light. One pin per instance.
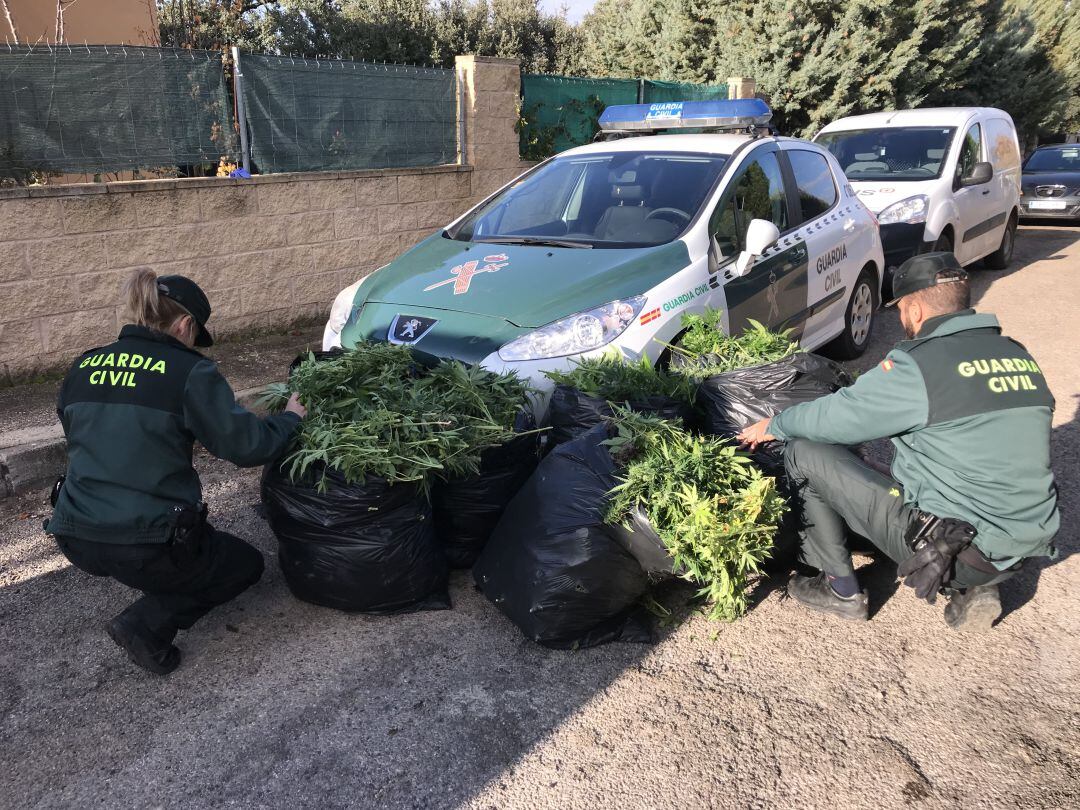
(731, 114)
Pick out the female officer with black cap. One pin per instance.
(131, 505)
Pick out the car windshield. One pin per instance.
(1054, 160)
(614, 200)
(890, 154)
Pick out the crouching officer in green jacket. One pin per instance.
(130, 506)
(971, 493)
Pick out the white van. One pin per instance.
(937, 179)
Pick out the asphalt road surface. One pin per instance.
(282, 704)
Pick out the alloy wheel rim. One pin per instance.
(862, 311)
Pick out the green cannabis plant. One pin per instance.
(615, 379)
(716, 512)
(704, 350)
(374, 410)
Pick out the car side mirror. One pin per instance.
(981, 173)
(760, 236)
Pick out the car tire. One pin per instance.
(858, 320)
(944, 242)
(1000, 258)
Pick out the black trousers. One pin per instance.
(180, 584)
(833, 489)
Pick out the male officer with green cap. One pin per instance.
(971, 494)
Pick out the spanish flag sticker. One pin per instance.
(650, 316)
(886, 365)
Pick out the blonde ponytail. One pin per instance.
(146, 305)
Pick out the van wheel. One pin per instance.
(944, 242)
(1000, 258)
(858, 320)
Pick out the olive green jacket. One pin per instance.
(969, 413)
(132, 412)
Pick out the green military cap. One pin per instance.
(927, 270)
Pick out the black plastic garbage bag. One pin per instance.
(553, 566)
(731, 401)
(368, 547)
(467, 510)
(573, 412)
(642, 541)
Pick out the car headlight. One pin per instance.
(579, 333)
(911, 211)
(340, 313)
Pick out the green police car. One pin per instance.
(609, 245)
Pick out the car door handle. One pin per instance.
(987, 191)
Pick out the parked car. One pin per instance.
(937, 179)
(609, 244)
(1050, 186)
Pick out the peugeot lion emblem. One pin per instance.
(405, 330)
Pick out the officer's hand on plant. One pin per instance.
(757, 433)
(294, 406)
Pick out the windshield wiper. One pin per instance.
(533, 240)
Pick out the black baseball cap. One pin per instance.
(927, 270)
(190, 296)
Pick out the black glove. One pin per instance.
(935, 542)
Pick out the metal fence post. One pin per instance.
(238, 89)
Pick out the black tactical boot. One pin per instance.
(817, 594)
(974, 610)
(141, 647)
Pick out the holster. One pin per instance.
(58, 485)
(950, 536)
(188, 528)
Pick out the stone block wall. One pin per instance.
(269, 251)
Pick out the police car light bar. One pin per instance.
(733, 114)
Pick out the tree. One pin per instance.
(1057, 30)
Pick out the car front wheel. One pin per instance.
(858, 320)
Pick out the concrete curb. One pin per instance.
(33, 458)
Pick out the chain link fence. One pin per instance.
(314, 115)
(100, 110)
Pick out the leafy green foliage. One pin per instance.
(708, 351)
(614, 379)
(716, 512)
(374, 411)
(818, 61)
(399, 31)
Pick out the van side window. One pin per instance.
(757, 193)
(814, 179)
(1001, 144)
(970, 152)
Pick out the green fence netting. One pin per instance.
(559, 112)
(680, 91)
(313, 115)
(104, 109)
